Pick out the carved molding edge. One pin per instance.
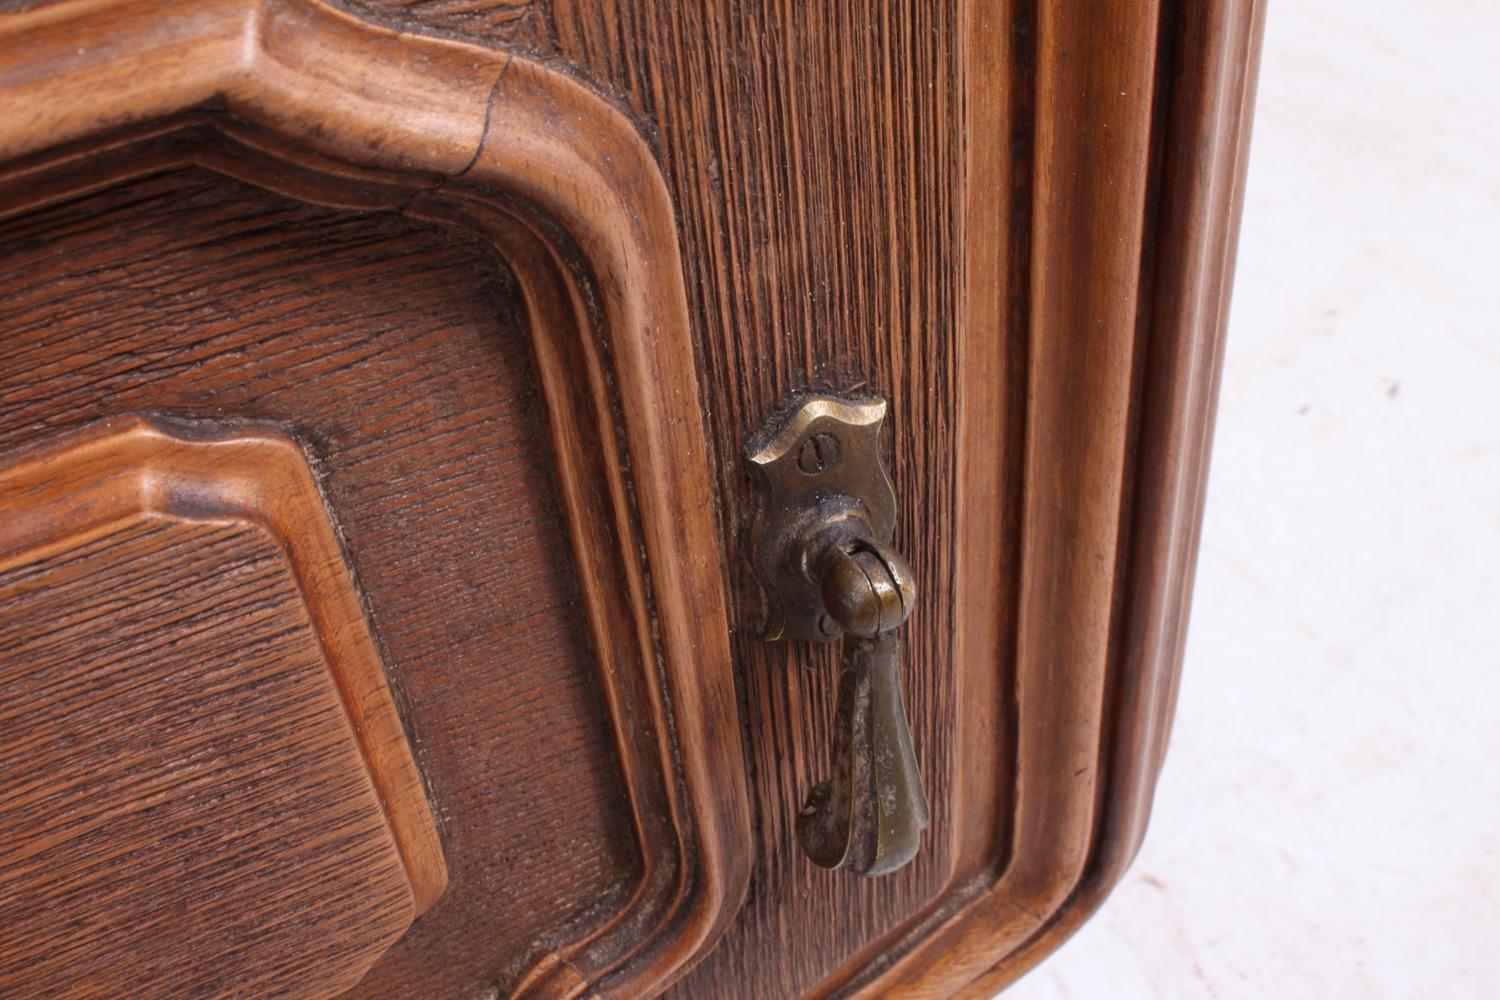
(1103, 279)
(326, 108)
(84, 485)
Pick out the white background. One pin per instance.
(1326, 826)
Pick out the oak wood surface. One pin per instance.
(1091, 197)
(624, 395)
(805, 152)
(974, 208)
(419, 402)
(177, 766)
(329, 109)
(73, 486)
(1012, 219)
(1168, 310)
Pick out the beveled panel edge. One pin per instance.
(84, 483)
(447, 121)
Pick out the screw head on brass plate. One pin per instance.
(817, 463)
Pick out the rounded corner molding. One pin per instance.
(353, 114)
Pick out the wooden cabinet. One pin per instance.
(378, 613)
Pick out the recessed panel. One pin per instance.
(395, 352)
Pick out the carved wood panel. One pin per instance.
(211, 780)
(421, 406)
(534, 544)
(193, 710)
(1015, 220)
(812, 158)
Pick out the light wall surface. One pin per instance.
(1328, 823)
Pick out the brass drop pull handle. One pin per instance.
(821, 544)
(870, 815)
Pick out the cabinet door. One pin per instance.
(364, 619)
(380, 388)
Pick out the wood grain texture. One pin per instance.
(1013, 219)
(66, 489)
(1146, 417)
(516, 23)
(1016, 218)
(803, 148)
(445, 503)
(329, 109)
(1097, 182)
(185, 810)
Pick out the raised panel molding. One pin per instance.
(140, 720)
(318, 105)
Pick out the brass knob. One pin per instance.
(821, 543)
(867, 589)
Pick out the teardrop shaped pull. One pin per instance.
(820, 540)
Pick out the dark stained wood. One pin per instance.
(73, 486)
(177, 763)
(1013, 219)
(172, 294)
(106, 865)
(1091, 197)
(1021, 211)
(326, 108)
(517, 23)
(1167, 195)
(171, 733)
(803, 149)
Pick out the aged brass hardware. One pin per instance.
(820, 541)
